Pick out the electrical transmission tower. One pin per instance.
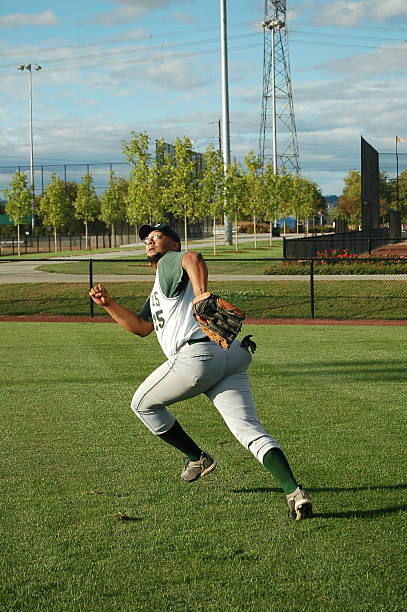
(278, 135)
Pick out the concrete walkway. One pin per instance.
(25, 271)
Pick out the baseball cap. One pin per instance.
(165, 229)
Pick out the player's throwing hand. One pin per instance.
(100, 295)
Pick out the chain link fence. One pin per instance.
(263, 288)
(46, 244)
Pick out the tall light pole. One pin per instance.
(225, 107)
(398, 139)
(29, 67)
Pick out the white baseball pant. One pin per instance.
(221, 375)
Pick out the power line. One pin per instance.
(167, 46)
(193, 32)
(200, 52)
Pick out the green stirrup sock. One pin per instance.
(275, 462)
(177, 437)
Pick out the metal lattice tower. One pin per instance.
(278, 136)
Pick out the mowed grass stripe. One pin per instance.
(333, 299)
(75, 459)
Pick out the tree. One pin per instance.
(255, 189)
(288, 191)
(235, 195)
(138, 205)
(87, 203)
(112, 205)
(144, 191)
(71, 224)
(18, 205)
(212, 186)
(349, 203)
(181, 191)
(309, 199)
(348, 209)
(53, 205)
(272, 196)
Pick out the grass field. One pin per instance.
(76, 462)
(334, 299)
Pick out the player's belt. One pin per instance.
(195, 340)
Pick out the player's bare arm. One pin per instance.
(124, 317)
(195, 266)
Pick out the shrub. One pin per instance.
(335, 262)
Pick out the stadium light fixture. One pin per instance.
(28, 67)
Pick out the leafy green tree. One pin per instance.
(181, 194)
(53, 205)
(87, 203)
(71, 224)
(288, 190)
(112, 205)
(273, 197)
(255, 189)
(349, 203)
(18, 205)
(402, 197)
(309, 199)
(145, 185)
(235, 195)
(388, 194)
(139, 207)
(212, 186)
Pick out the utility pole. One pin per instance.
(28, 67)
(225, 107)
(219, 135)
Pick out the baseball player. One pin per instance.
(196, 364)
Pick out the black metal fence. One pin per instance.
(355, 242)
(46, 244)
(265, 288)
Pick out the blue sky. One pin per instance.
(110, 67)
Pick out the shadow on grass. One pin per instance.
(345, 513)
(362, 513)
(315, 489)
(126, 518)
(372, 370)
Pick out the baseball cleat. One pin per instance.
(194, 469)
(299, 503)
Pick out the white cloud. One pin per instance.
(389, 9)
(169, 75)
(186, 18)
(175, 75)
(382, 61)
(344, 12)
(136, 33)
(131, 10)
(18, 20)
(344, 110)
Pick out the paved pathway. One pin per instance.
(24, 271)
(18, 272)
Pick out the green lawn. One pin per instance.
(334, 299)
(75, 461)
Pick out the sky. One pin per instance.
(110, 67)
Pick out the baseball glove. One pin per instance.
(223, 320)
